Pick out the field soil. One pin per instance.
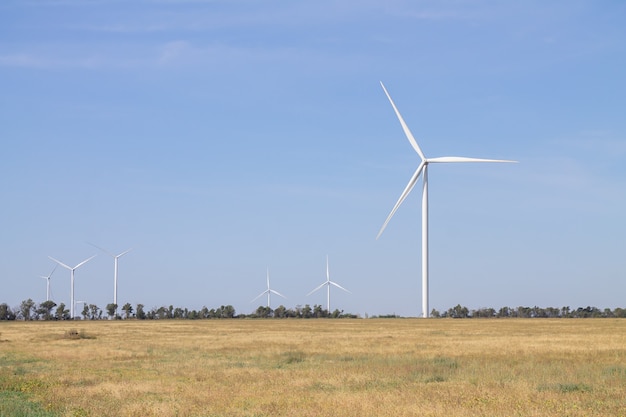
(317, 367)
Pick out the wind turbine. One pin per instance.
(328, 283)
(423, 169)
(115, 257)
(72, 279)
(268, 291)
(48, 282)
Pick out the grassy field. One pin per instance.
(375, 367)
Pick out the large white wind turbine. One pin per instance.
(72, 279)
(115, 257)
(48, 282)
(423, 170)
(268, 291)
(328, 283)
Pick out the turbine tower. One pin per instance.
(72, 279)
(423, 169)
(115, 257)
(48, 282)
(328, 283)
(268, 291)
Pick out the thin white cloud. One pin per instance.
(51, 61)
(22, 60)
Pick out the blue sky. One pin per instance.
(220, 138)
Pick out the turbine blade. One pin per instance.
(446, 159)
(124, 253)
(53, 269)
(60, 263)
(84, 262)
(327, 271)
(406, 192)
(103, 250)
(339, 286)
(277, 293)
(324, 283)
(259, 296)
(407, 132)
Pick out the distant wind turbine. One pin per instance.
(115, 257)
(423, 169)
(72, 279)
(268, 291)
(328, 283)
(84, 303)
(48, 282)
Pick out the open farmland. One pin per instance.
(372, 367)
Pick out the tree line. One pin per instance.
(460, 312)
(49, 310)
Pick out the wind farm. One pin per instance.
(219, 138)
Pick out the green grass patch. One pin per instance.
(443, 362)
(616, 370)
(293, 357)
(435, 378)
(564, 388)
(18, 404)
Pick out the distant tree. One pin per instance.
(458, 312)
(435, 314)
(228, 312)
(484, 313)
(111, 309)
(306, 312)
(128, 310)
(6, 313)
(263, 312)
(280, 312)
(179, 313)
(44, 311)
(62, 313)
(94, 312)
(160, 313)
(85, 312)
(524, 312)
(141, 314)
(27, 307)
(319, 312)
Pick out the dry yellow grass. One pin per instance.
(375, 367)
